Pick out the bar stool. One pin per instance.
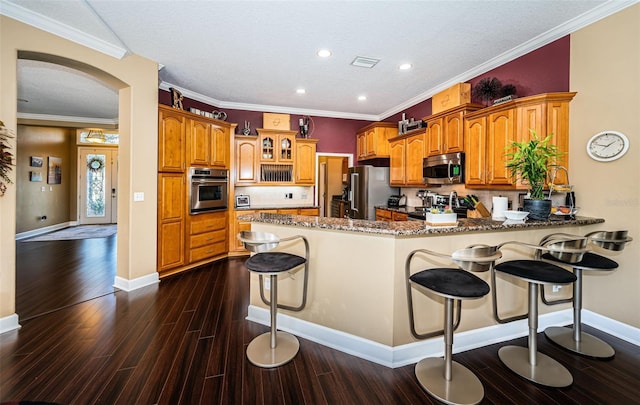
(528, 362)
(274, 348)
(444, 378)
(574, 339)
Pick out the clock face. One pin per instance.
(607, 146)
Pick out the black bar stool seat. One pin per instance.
(274, 348)
(574, 339)
(527, 361)
(443, 378)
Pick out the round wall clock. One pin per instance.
(606, 146)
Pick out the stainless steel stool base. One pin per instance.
(588, 345)
(547, 371)
(260, 353)
(464, 387)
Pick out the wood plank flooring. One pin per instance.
(184, 340)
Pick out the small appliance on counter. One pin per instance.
(397, 201)
(243, 200)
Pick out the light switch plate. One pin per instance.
(138, 196)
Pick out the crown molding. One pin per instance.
(52, 26)
(267, 108)
(571, 26)
(63, 118)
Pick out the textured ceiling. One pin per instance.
(255, 54)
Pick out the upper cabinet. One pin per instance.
(373, 140)
(187, 139)
(277, 146)
(445, 130)
(305, 167)
(172, 126)
(406, 155)
(490, 132)
(275, 157)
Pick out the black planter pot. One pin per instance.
(538, 209)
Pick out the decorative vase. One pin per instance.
(538, 209)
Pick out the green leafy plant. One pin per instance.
(531, 160)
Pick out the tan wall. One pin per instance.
(605, 71)
(55, 201)
(137, 79)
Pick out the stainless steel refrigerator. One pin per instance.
(368, 187)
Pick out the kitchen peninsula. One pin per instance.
(357, 295)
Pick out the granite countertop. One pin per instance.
(410, 228)
(273, 207)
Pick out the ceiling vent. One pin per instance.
(361, 61)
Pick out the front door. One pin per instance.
(97, 185)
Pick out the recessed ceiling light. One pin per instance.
(405, 66)
(362, 98)
(324, 53)
(301, 91)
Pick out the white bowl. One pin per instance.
(516, 215)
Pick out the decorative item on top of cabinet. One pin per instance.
(491, 130)
(373, 140)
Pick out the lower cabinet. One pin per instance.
(207, 236)
(389, 215)
(236, 248)
(171, 220)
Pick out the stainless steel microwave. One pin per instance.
(443, 169)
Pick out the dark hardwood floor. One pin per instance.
(55, 274)
(184, 340)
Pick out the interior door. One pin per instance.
(97, 185)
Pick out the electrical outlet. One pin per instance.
(556, 288)
(267, 283)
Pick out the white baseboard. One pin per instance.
(46, 229)
(612, 327)
(130, 285)
(412, 352)
(9, 323)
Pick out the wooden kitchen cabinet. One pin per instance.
(277, 146)
(208, 144)
(172, 200)
(247, 159)
(207, 236)
(236, 248)
(172, 126)
(199, 143)
(373, 140)
(490, 132)
(390, 215)
(405, 162)
(445, 130)
(305, 165)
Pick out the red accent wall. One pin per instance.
(544, 70)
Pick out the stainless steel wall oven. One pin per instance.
(208, 189)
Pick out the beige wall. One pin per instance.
(605, 71)
(137, 79)
(55, 201)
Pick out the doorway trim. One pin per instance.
(349, 156)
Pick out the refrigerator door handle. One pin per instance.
(354, 194)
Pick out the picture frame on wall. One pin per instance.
(54, 172)
(35, 176)
(36, 161)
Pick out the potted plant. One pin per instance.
(530, 162)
